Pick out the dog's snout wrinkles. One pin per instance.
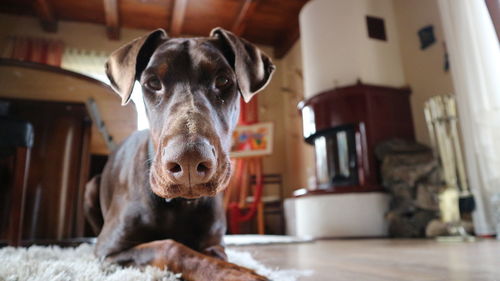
(189, 162)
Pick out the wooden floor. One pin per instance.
(386, 260)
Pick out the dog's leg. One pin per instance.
(178, 258)
(216, 251)
(91, 205)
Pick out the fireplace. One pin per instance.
(336, 157)
(342, 44)
(345, 125)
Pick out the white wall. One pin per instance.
(337, 50)
(423, 68)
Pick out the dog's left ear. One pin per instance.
(126, 64)
(252, 67)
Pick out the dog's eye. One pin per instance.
(154, 84)
(222, 82)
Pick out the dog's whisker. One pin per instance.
(148, 162)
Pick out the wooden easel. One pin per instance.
(236, 196)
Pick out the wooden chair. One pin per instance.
(271, 203)
(238, 208)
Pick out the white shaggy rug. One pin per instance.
(53, 263)
(253, 239)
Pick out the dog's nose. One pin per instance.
(189, 162)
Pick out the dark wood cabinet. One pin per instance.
(58, 170)
(345, 125)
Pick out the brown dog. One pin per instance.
(157, 202)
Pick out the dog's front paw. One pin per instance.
(216, 252)
(122, 259)
(232, 272)
(246, 276)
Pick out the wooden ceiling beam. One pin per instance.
(246, 12)
(112, 19)
(46, 15)
(178, 14)
(286, 41)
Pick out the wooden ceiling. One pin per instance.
(268, 22)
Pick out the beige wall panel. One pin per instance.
(423, 68)
(36, 84)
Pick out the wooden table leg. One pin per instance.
(260, 218)
(21, 168)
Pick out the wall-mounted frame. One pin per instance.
(252, 140)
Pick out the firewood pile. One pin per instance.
(411, 174)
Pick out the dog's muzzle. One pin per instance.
(186, 167)
(189, 163)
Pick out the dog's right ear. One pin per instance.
(126, 64)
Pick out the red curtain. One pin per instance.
(38, 50)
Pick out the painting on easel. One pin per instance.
(252, 140)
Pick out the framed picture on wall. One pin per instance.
(252, 140)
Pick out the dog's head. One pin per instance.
(191, 89)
